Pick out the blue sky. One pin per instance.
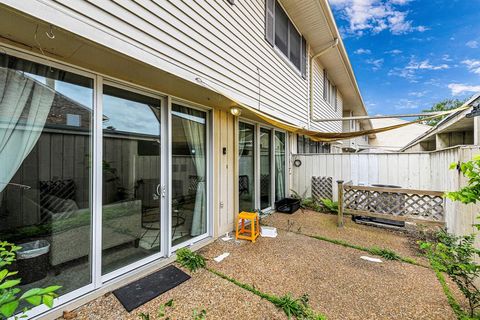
(408, 54)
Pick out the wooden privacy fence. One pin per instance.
(410, 205)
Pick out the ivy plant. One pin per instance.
(11, 297)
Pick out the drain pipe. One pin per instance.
(316, 55)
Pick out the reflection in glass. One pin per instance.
(131, 178)
(45, 178)
(246, 178)
(265, 167)
(279, 165)
(189, 211)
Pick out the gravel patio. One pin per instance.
(340, 285)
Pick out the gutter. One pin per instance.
(333, 44)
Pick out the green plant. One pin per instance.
(190, 260)
(455, 255)
(144, 316)
(385, 253)
(307, 202)
(10, 299)
(199, 315)
(162, 309)
(331, 205)
(297, 308)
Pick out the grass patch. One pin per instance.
(292, 307)
(387, 254)
(190, 260)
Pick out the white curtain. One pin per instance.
(279, 166)
(24, 107)
(195, 133)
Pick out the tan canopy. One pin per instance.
(318, 135)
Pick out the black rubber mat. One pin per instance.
(141, 291)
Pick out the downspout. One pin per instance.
(316, 55)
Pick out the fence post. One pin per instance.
(340, 203)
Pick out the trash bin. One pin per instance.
(32, 261)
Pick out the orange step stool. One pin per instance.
(247, 234)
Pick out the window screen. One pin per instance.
(295, 46)
(281, 29)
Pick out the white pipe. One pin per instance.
(316, 55)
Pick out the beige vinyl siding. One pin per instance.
(211, 39)
(321, 108)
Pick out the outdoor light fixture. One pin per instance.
(475, 110)
(235, 111)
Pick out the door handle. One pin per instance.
(164, 191)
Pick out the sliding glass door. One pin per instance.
(261, 167)
(132, 190)
(246, 167)
(189, 174)
(46, 117)
(265, 168)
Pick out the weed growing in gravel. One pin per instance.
(190, 260)
(297, 308)
(385, 253)
(144, 316)
(162, 310)
(202, 315)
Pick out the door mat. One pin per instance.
(141, 291)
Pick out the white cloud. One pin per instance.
(472, 65)
(472, 44)
(418, 94)
(376, 16)
(362, 51)
(425, 65)
(376, 63)
(447, 58)
(394, 52)
(406, 104)
(459, 88)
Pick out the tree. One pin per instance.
(444, 105)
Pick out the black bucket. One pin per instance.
(32, 261)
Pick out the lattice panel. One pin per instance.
(322, 188)
(408, 205)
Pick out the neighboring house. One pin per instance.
(165, 160)
(454, 130)
(394, 140)
(356, 144)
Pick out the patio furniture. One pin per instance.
(247, 234)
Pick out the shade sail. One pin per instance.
(318, 135)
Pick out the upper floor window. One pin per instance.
(307, 145)
(282, 34)
(329, 91)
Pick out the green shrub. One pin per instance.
(190, 260)
(330, 205)
(9, 292)
(455, 255)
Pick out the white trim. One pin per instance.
(97, 201)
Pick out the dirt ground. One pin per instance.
(339, 283)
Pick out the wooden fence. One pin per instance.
(408, 205)
(419, 171)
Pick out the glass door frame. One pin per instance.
(257, 126)
(208, 175)
(164, 177)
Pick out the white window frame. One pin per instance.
(142, 267)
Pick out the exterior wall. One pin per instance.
(321, 108)
(208, 39)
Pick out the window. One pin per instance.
(46, 117)
(307, 145)
(329, 90)
(282, 34)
